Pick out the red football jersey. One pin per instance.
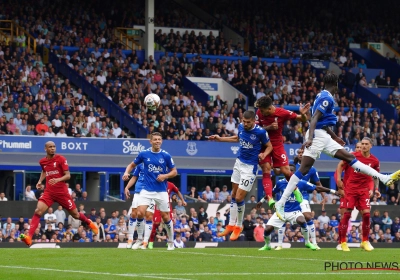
(54, 168)
(170, 189)
(280, 116)
(347, 169)
(357, 181)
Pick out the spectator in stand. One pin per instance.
(78, 190)
(377, 219)
(29, 194)
(395, 226)
(323, 219)
(387, 221)
(208, 193)
(60, 215)
(3, 197)
(393, 195)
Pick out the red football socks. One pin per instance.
(267, 184)
(83, 218)
(343, 226)
(153, 232)
(288, 177)
(365, 226)
(34, 224)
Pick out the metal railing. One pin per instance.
(13, 30)
(129, 37)
(112, 198)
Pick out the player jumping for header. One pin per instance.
(273, 120)
(321, 138)
(252, 139)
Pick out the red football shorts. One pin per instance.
(277, 157)
(64, 199)
(360, 201)
(157, 219)
(343, 203)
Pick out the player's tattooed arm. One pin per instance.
(218, 138)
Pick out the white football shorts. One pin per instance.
(290, 217)
(322, 142)
(244, 174)
(160, 199)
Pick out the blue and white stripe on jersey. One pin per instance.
(324, 103)
(311, 175)
(139, 173)
(155, 163)
(251, 142)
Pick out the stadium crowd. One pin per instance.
(277, 30)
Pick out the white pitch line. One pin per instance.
(96, 273)
(252, 257)
(167, 276)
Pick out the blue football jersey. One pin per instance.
(251, 142)
(139, 173)
(291, 204)
(311, 175)
(154, 165)
(305, 188)
(325, 104)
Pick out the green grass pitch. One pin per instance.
(218, 263)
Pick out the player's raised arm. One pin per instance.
(218, 138)
(303, 112)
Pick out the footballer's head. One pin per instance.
(331, 82)
(264, 104)
(366, 144)
(358, 147)
(50, 148)
(249, 119)
(156, 140)
(300, 154)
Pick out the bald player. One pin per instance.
(56, 172)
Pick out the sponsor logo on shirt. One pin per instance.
(245, 145)
(50, 173)
(155, 169)
(132, 148)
